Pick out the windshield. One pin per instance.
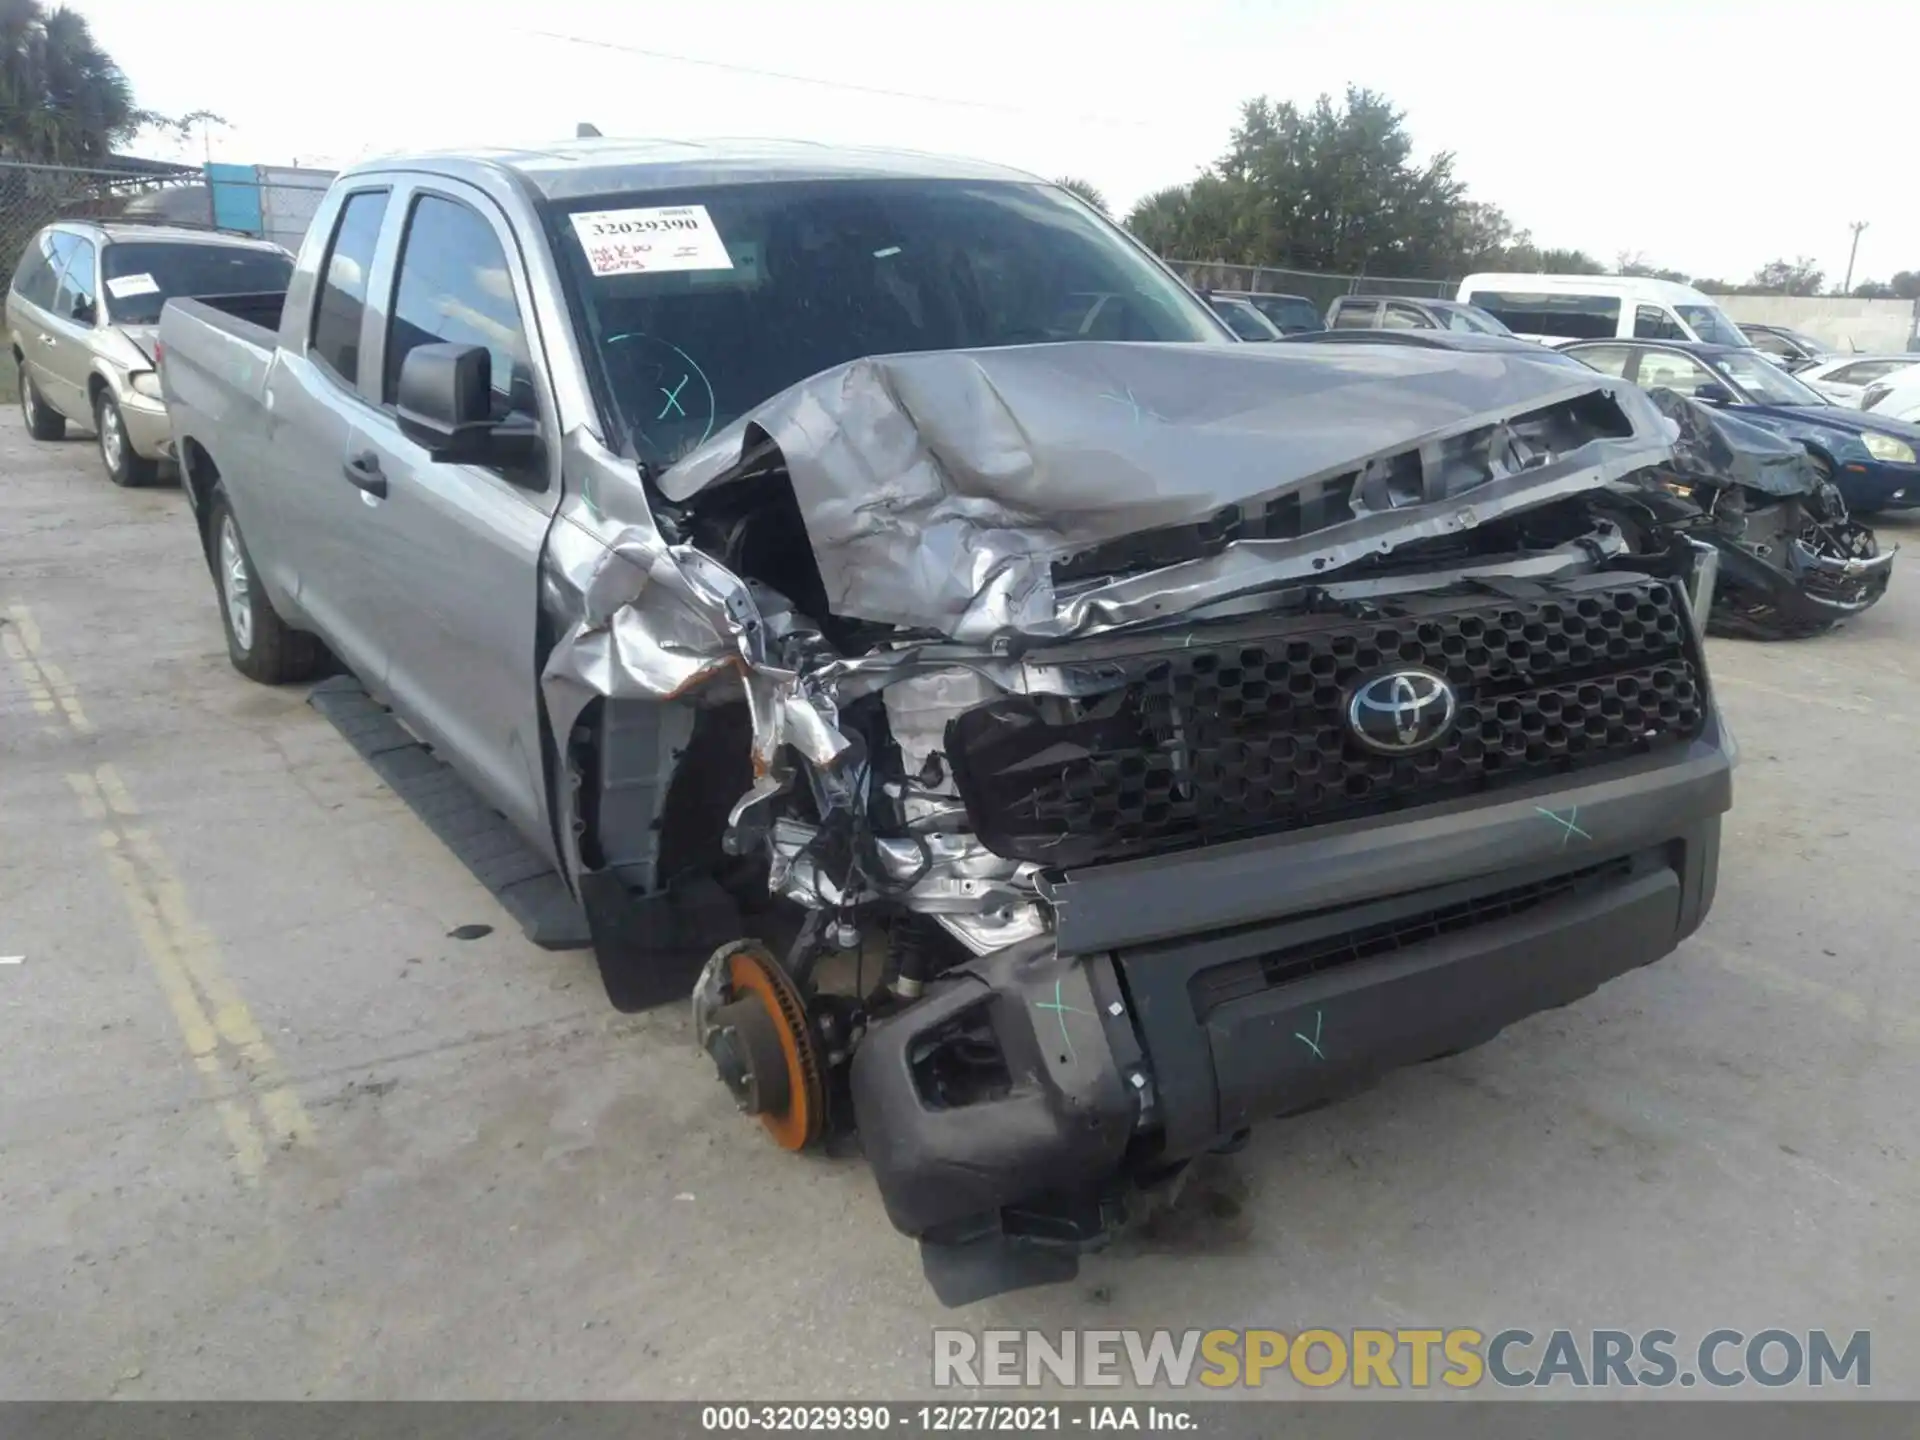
(761, 286)
(1765, 382)
(1245, 321)
(141, 276)
(1710, 325)
(1472, 319)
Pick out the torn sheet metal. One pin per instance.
(1723, 449)
(938, 489)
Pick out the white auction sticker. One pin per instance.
(638, 242)
(125, 287)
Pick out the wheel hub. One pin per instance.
(752, 1022)
(110, 435)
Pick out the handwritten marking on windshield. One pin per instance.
(673, 404)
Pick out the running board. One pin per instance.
(521, 879)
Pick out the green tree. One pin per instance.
(1636, 263)
(1874, 290)
(1085, 189)
(1906, 284)
(62, 99)
(1335, 186)
(1787, 277)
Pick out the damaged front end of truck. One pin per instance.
(898, 720)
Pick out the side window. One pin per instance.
(1563, 316)
(1354, 314)
(1404, 317)
(79, 282)
(1770, 344)
(39, 270)
(1681, 373)
(1607, 359)
(454, 285)
(335, 341)
(1863, 372)
(1650, 322)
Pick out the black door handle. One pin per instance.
(364, 470)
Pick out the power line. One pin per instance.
(825, 84)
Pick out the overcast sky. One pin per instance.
(1707, 135)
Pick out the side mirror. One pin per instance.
(444, 403)
(83, 310)
(1711, 394)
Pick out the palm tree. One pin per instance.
(62, 99)
(1085, 190)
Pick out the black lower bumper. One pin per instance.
(1189, 995)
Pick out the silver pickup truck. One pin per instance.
(1039, 732)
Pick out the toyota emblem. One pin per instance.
(1401, 712)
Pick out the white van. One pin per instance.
(1556, 308)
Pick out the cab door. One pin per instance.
(453, 550)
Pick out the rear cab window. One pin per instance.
(342, 301)
(1405, 317)
(1565, 316)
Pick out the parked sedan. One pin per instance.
(1844, 379)
(1793, 349)
(1408, 312)
(82, 314)
(1895, 398)
(1243, 319)
(1875, 461)
(1293, 314)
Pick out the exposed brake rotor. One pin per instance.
(752, 1022)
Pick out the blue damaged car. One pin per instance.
(1873, 460)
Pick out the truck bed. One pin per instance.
(215, 363)
(261, 308)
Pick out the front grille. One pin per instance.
(1245, 733)
(1238, 979)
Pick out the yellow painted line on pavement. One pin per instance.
(224, 1041)
(47, 685)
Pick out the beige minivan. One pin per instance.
(82, 315)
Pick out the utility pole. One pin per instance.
(1846, 286)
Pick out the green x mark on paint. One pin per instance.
(1061, 1010)
(1568, 828)
(1319, 1018)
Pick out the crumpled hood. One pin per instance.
(939, 488)
(1724, 449)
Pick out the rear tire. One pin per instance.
(43, 422)
(124, 467)
(262, 646)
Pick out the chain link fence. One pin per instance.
(274, 204)
(1321, 287)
